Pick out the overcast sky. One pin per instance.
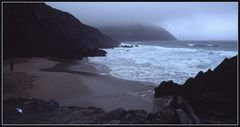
(185, 20)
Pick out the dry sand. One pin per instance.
(84, 87)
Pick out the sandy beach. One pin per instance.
(83, 86)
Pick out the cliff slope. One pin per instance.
(137, 33)
(36, 29)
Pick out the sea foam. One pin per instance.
(156, 64)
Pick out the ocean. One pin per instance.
(157, 61)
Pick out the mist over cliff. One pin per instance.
(185, 20)
(137, 32)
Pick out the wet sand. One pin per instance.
(83, 86)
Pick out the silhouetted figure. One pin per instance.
(11, 65)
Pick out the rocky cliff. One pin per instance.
(36, 29)
(213, 94)
(137, 33)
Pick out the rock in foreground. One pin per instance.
(36, 111)
(213, 94)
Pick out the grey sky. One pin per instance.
(185, 20)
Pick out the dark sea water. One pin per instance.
(157, 61)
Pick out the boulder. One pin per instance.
(167, 89)
(117, 114)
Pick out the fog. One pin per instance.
(185, 20)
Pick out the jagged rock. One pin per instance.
(174, 102)
(213, 91)
(127, 46)
(167, 116)
(117, 114)
(183, 117)
(216, 81)
(167, 89)
(52, 105)
(134, 116)
(38, 105)
(96, 110)
(39, 111)
(156, 118)
(199, 75)
(135, 113)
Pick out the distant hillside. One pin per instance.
(137, 33)
(36, 29)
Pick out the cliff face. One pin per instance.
(36, 29)
(137, 33)
(212, 94)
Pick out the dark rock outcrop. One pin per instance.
(36, 111)
(126, 46)
(213, 94)
(137, 33)
(167, 89)
(36, 29)
(93, 52)
(117, 114)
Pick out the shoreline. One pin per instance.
(81, 88)
(102, 92)
(99, 98)
(72, 66)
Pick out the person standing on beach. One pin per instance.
(11, 65)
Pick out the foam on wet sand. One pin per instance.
(72, 87)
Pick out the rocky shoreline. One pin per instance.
(36, 111)
(212, 95)
(209, 98)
